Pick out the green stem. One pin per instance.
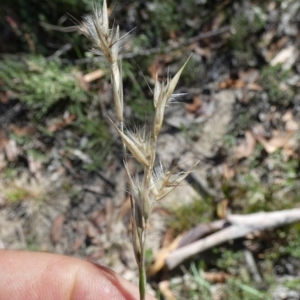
(142, 268)
(142, 282)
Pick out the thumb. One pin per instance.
(35, 276)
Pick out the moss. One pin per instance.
(261, 182)
(272, 78)
(227, 258)
(40, 83)
(32, 243)
(286, 242)
(246, 23)
(198, 211)
(293, 284)
(16, 194)
(9, 173)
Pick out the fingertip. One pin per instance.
(99, 280)
(32, 275)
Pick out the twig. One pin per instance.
(184, 43)
(209, 34)
(65, 48)
(240, 227)
(106, 180)
(200, 231)
(145, 52)
(251, 264)
(58, 28)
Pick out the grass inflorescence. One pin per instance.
(155, 183)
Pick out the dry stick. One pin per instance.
(251, 264)
(192, 235)
(241, 226)
(185, 43)
(58, 28)
(65, 48)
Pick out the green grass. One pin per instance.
(272, 78)
(198, 211)
(16, 194)
(41, 84)
(196, 287)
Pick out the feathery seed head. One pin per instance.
(163, 93)
(141, 139)
(175, 97)
(143, 201)
(171, 85)
(115, 45)
(136, 149)
(164, 183)
(104, 17)
(116, 78)
(105, 40)
(157, 92)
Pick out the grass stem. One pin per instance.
(142, 267)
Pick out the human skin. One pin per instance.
(35, 276)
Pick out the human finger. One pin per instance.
(34, 276)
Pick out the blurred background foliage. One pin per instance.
(24, 25)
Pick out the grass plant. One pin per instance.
(155, 183)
